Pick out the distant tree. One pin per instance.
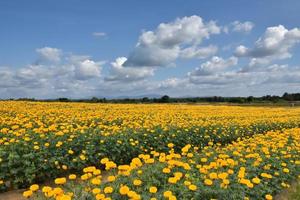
(291, 97)
(94, 99)
(145, 99)
(250, 99)
(165, 99)
(63, 99)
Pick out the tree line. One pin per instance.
(286, 97)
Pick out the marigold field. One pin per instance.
(64, 151)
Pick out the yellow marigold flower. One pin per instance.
(124, 190)
(96, 181)
(256, 180)
(266, 175)
(131, 194)
(111, 178)
(27, 194)
(34, 187)
(84, 177)
(172, 198)
(36, 147)
(100, 196)
(213, 175)
(153, 189)
(208, 182)
(172, 180)
(46, 189)
(187, 183)
(223, 175)
(71, 152)
(137, 182)
(65, 197)
(166, 170)
(283, 184)
(283, 164)
(60, 181)
(82, 157)
(190, 155)
(269, 197)
(193, 187)
(178, 174)
(286, 170)
(170, 145)
(108, 190)
(104, 160)
(167, 193)
(72, 176)
(96, 191)
(58, 191)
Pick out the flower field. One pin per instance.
(253, 168)
(154, 151)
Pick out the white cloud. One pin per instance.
(171, 83)
(49, 54)
(152, 56)
(87, 69)
(119, 73)
(57, 73)
(215, 65)
(245, 27)
(162, 46)
(237, 26)
(273, 45)
(273, 79)
(72, 75)
(201, 52)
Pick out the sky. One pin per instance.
(134, 48)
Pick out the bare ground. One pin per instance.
(12, 195)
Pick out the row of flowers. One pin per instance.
(255, 168)
(39, 141)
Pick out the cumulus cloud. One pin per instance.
(215, 65)
(245, 27)
(56, 73)
(87, 69)
(7, 78)
(237, 26)
(275, 76)
(119, 73)
(201, 52)
(70, 74)
(49, 54)
(171, 83)
(275, 44)
(152, 56)
(162, 46)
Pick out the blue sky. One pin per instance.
(50, 49)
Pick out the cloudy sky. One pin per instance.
(80, 49)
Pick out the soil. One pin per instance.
(12, 195)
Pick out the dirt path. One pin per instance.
(291, 193)
(12, 195)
